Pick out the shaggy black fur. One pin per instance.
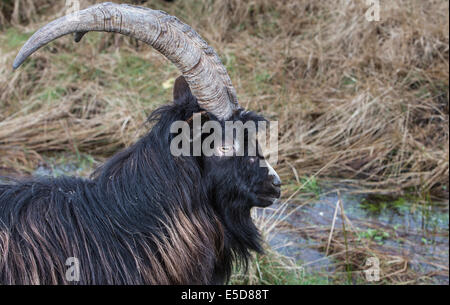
(144, 217)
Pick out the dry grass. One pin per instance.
(357, 99)
(16, 12)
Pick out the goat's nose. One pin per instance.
(276, 181)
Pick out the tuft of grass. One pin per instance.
(272, 268)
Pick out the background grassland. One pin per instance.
(362, 101)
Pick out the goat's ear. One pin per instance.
(181, 90)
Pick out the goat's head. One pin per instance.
(235, 168)
(247, 179)
(203, 73)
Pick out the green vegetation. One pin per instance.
(13, 38)
(310, 185)
(305, 187)
(374, 234)
(377, 203)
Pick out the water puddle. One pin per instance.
(414, 232)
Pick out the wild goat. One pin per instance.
(145, 216)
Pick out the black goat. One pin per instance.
(144, 217)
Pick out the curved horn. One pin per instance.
(199, 63)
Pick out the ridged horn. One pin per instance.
(198, 62)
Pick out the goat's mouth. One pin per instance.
(268, 196)
(265, 200)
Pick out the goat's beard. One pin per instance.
(241, 235)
